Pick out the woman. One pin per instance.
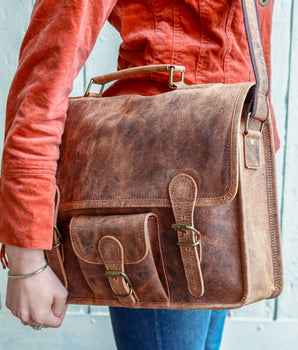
(206, 36)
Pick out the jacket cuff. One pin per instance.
(27, 210)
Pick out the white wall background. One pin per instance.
(271, 324)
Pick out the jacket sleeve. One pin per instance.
(60, 37)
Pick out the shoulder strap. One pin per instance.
(260, 107)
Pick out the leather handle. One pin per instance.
(260, 107)
(130, 72)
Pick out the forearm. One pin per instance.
(60, 36)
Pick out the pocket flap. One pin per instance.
(131, 230)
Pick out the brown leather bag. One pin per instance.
(169, 201)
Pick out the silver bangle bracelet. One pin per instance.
(20, 277)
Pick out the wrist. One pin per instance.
(28, 275)
(24, 260)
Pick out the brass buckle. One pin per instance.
(55, 227)
(172, 70)
(247, 122)
(123, 274)
(183, 227)
(89, 87)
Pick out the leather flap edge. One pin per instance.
(130, 230)
(137, 144)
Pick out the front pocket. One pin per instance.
(119, 256)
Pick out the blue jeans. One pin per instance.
(152, 329)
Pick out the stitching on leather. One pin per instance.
(195, 304)
(167, 291)
(274, 234)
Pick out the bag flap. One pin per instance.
(123, 151)
(131, 230)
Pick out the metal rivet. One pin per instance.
(263, 2)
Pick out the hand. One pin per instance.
(40, 299)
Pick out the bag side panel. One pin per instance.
(260, 219)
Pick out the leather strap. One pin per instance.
(183, 194)
(112, 253)
(55, 255)
(260, 107)
(252, 149)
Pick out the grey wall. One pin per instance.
(271, 324)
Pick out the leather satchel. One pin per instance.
(169, 201)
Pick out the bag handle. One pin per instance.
(130, 72)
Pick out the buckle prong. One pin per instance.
(183, 228)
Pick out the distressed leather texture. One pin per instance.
(156, 145)
(131, 166)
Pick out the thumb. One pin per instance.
(59, 306)
(53, 320)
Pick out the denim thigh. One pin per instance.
(154, 329)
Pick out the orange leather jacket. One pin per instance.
(206, 36)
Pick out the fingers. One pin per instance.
(56, 311)
(48, 319)
(56, 321)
